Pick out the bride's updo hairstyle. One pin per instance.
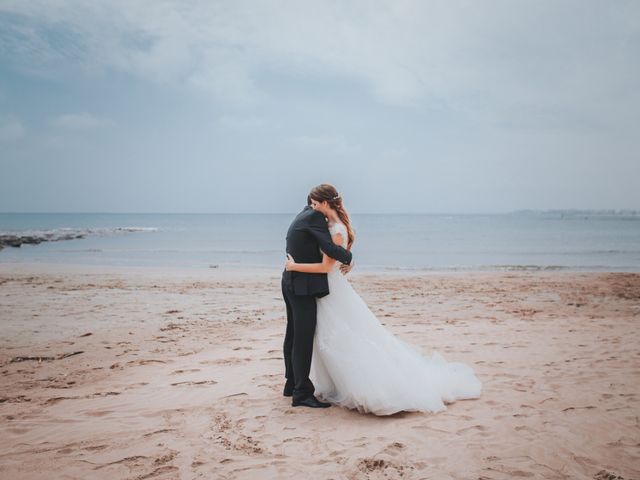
(328, 193)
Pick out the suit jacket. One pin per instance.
(307, 235)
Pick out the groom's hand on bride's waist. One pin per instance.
(346, 268)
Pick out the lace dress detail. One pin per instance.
(342, 229)
(358, 363)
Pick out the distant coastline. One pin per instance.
(581, 213)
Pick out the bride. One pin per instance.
(357, 363)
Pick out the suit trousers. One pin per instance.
(298, 341)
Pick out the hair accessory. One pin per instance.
(336, 197)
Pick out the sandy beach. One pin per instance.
(174, 374)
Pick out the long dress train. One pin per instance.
(357, 363)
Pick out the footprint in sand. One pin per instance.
(201, 382)
(191, 370)
(133, 460)
(577, 408)
(98, 413)
(480, 428)
(519, 428)
(164, 430)
(294, 439)
(145, 362)
(394, 448)
(54, 400)
(92, 448)
(513, 473)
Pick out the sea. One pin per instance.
(573, 240)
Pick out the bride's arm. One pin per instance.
(324, 267)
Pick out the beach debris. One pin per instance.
(43, 358)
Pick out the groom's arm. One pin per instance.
(318, 228)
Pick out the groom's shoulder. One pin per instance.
(309, 217)
(307, 213)
(314, 217)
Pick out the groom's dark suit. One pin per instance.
(307, 235)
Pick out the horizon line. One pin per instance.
(496, 212)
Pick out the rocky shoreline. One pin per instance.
(16, 240)
(19, 240)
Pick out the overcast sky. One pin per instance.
(233, 106)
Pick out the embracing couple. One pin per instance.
(334, 345)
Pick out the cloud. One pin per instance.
(11, 129)
(489, 61)
(80, 121)
(333, 143)
(240, 122)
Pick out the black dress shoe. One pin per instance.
(311, 401)
(288, 391)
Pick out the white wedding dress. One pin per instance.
(358, 363)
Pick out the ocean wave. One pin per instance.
(34, 237)
(81, 250)
(502, 268)
(471, 268)
(527, 268)
(245, 252)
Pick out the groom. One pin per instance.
(307, 235)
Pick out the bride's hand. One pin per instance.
(346, 268)
(290, 263)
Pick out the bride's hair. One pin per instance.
(328, 193)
